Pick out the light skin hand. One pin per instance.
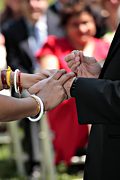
(83, 66)
(51, 90)
(28, 80)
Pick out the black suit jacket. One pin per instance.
(98, 103)
(19, 54)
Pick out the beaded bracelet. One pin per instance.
(41, 108)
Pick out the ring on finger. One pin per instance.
(75, 51)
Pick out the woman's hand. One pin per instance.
(51, 89)
(83, 66)
(28, 80)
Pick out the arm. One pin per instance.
(97, 100)
(14, 108)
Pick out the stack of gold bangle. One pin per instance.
(6, 78)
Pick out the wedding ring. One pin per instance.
(75, 51)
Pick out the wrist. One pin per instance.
(12, 78)
(73, 86)
(39, 109)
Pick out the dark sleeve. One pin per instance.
(97, 100)
(13, 60)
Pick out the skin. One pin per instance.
(28, 80)
(79, 29)
(82, 66)
(24, 107)
(111, 6)
(15, 6)
(55, 83)
(34, 9)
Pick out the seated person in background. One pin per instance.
(80, 25)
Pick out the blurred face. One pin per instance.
(34, 9)
(110, 4)
(81, 28)
(13, 4)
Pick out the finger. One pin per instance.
(58, 74)
(71, 63)
(53, 71)
(75, 51)
(90, 60)
(69, 57)
(75, 66)
(81, 56)
(66, 77)
(46, 73)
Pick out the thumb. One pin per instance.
(81, 55)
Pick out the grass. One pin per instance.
(8, 169)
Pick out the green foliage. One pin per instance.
(1, 5)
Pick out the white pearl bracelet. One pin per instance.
(41, 108)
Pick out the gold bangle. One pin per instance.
(8, 74)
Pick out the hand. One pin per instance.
(51, 90)
(28, 80)
(82, 65)
(68, 85)
(2, 39)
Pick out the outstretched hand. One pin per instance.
(28, 80)
(51, 89)
(83, 66)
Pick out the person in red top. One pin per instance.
(80, 26)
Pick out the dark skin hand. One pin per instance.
(51, 90)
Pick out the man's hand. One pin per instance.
(83, 66)
(51, 89)
(68, 85)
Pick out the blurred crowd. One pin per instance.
(36, 35)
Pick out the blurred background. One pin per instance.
(35, 35)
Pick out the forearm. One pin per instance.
(13, 108)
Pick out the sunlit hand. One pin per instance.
(82, 65)
(51, 90)
(28, 80)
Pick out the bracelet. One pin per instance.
(8, 74)
(3, 79)
(19, 82)
(15, 81)
(41, 108)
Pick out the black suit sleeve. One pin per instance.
(97, 100)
